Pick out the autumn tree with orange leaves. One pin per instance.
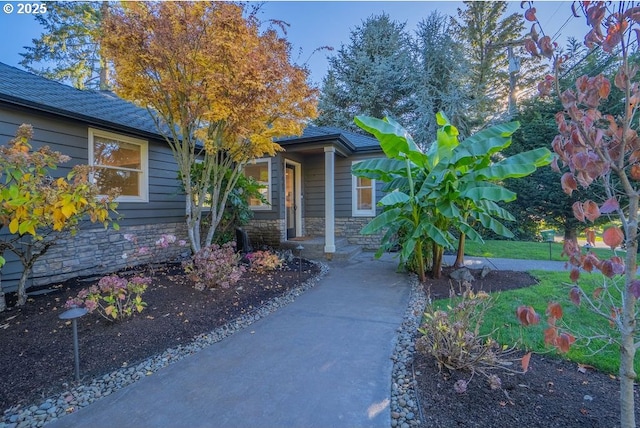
(219, 88)
(592, 147)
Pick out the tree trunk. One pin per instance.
(570, 234)
(104, 67)
(627, 380)
(22, 289)
(460, 255)
(28, 259)
(3, 300)
(629, 326)
(436, 269)
(420, 263)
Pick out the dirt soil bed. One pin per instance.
(36, 356)
(553, 393)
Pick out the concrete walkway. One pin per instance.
(508, 264)
(322, 361)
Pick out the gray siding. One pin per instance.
(313, 173)
(343, 187)
(166, 202)
(313, 183)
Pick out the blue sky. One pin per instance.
(313, 24)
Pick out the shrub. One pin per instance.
(114, 297)
(215, 266)
(264, 261)
(453, 338)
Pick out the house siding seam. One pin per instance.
(100, 251)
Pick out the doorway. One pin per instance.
(292, 199)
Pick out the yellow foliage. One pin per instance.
(207, 63)
(13, 225)
(30, 202)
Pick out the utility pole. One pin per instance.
(514, 69)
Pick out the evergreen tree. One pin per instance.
(69, 48)
(440, 69)
(487, 37)
(369, 76)
(540, 200)
(540, 197)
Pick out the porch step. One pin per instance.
(314, 248)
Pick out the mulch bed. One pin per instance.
(553, 393)
(36, 357)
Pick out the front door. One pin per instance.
(290, 204)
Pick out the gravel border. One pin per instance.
(72, 400)
(404, 407)
(405, 410)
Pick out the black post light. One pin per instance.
(73, 314)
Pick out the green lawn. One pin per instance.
(525, 250)
(581, 322)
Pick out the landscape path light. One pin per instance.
(299, 248)
(73, 314)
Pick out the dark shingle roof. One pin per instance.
(100, 107)
(105, 108)
(353, 141)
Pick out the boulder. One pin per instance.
(462, 274)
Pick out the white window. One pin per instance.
(260, 170)
(364, 196)
(119, 162)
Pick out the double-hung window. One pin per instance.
(119, 162)
(260, 171)
(363, 196)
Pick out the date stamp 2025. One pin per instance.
(25, 8)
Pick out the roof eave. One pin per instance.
(75, 116)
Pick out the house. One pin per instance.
(83, 125)
(309, 186)
(312, 192)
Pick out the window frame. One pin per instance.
(143, 172)
(269, 205)
(355, 212)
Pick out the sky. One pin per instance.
(313, 24)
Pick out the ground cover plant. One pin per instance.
(39, 361)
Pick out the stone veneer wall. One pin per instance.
(350, 228)
(314, 226)
(347, 227)
(100, 251)
(266, 232)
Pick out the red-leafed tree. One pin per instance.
(595, 146)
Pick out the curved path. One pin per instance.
(321, 361)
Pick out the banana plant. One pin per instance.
(453, 186)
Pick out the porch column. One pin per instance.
(329, 201)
